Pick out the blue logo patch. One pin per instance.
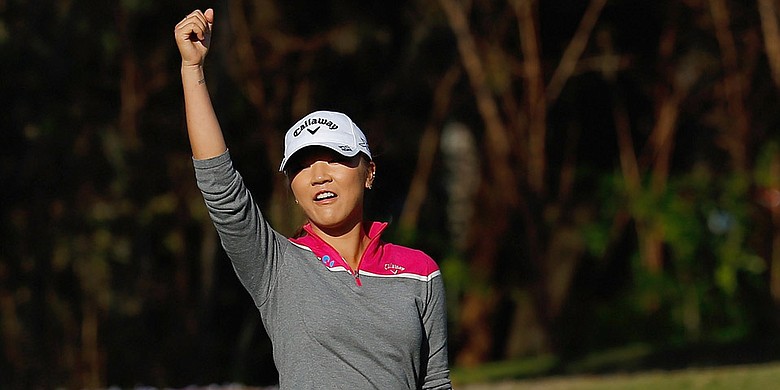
(327, 261)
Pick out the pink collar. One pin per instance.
(332, 259)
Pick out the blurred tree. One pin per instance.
(698, 77)
(512, 100)
(101, 215)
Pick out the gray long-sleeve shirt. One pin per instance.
(382, 326)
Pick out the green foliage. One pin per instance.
(764, 173)
(705, 222)
(457, 279)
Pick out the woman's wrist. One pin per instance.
(191, 68)
(193, 72)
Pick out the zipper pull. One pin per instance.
(357, 278)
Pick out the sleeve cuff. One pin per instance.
(211, 162)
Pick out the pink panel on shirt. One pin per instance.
(380, 259)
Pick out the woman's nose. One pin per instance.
(320, 173)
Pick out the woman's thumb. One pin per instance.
(209, 14)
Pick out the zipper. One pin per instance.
(355, 273)
(357, 278)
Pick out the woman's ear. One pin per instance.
(371, 175)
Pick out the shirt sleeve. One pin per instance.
(436, 372)
(252, 245)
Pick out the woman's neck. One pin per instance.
(351, 243)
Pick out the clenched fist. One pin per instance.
(193, 37)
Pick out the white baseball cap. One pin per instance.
(332, 130)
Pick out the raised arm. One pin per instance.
(193, 37)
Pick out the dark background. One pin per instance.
(589, 175)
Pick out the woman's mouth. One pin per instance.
(324, 195)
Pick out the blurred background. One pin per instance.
(590, 175)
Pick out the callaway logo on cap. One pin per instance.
(332, 130)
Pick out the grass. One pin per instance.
(739, 366)
(748, 377)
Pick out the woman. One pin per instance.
(343, 309)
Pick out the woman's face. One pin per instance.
(329, 187)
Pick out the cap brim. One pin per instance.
(330, 145)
